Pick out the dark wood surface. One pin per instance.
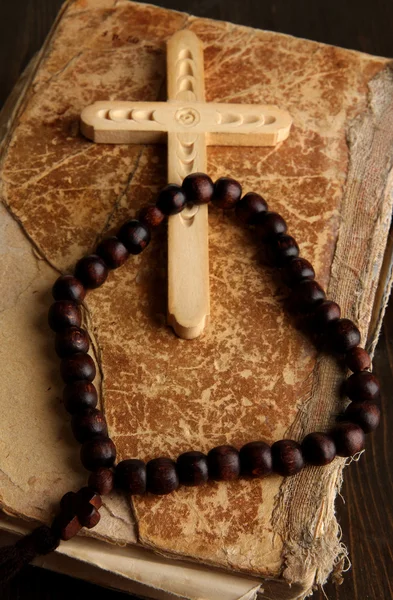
(366, 517)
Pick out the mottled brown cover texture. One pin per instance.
(252, 375)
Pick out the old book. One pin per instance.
(252, 375)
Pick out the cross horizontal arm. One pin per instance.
(149, 122)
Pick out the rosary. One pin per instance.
(319, 317)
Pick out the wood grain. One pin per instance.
(367, 515)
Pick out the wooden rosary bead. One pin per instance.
(224, 463)
(357, 359)
(343, 335)
(349, 439)
(192, 468)
(79, 396)
(318, 448)
(151, 216)
(227, 192)
(171, 200)
(198, 188)
(130, 476)
(256, 459)
(270, 224)
(365, 414)
(88, 424)
(362, 387)
(135, 236)
(70, 341)
(98, 452)
(297, 270)
(161, 476)
(249, 207)
(67, 502)
(102, 481)
(92, 271)
(113, 252)
(68, 287)
(324, 314)
(77, 367)
(287, 457)
(64, 313)
(281, 249)
(306, 296)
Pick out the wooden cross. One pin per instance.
(78, 510)
(189, 124)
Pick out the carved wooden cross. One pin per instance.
(78, 510)
(189, 124)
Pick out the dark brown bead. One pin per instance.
(357, 359)
(249, 207)
(318, 448)
(113, 252)
(349, 439)
(77, 367)
(198, 188)
(192, 468)
(282, 249)
(365, 414)
(256, 459)
(88, 424)
(64, 314)
(161, 476)
(287, 457)
(79, 395)
(102, 481)
(306, 296)
(92, 271)
(227, 192)
(151, 216)
(270, 224)
(68, 502)
(70, 341)
(343, 335)
(68, 287)
(324, 314)
(97, 453)
(130, 476)
(362, 387)
(135, 236)
(171, 200)
(297, 270)
(224, 463)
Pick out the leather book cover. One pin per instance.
(252, 375)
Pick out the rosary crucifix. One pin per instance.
(190, 125)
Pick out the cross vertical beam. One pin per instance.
(188, 236)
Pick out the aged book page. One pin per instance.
(252, 375)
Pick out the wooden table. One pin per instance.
(367, 515)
